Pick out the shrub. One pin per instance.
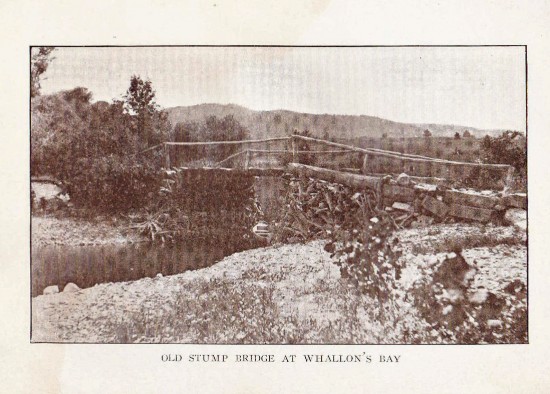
(366, 254)
(359, 235)
(508, 148)
(113, 184)
(459, 314)
(209, 204)
(93, 150)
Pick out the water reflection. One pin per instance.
(89, 265)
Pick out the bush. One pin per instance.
(359, 235)
(210, 204)
(459, 314)
(113, 184)
(93, 150)
(509, 148)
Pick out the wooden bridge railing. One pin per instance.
(373, 159)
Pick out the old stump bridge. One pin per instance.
(407, 182)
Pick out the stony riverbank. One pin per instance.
(279, 294)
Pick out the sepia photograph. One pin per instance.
(278, 195)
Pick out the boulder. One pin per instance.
(403, 179)
(71, 288)
(494, 323)
(423, 220)
(517, 218)
(51, 290)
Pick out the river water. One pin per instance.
(88, 265)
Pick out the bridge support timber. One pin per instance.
(353, 180)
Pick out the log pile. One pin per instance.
(443, 203)
(410, 201)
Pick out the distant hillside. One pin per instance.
(264, 124)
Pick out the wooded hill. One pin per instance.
(262, 124)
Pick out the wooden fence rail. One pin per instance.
(374, 160)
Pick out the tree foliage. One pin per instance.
(40, 60)
(93, 149)
(212, 129)
(148, 121)
(140, 97)
(508, 148)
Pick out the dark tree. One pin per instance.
(150, 124)
(457, 135)
(140, 97)
(40, 60)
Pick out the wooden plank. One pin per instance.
(470, 199)
(409, 157)
(344, 178)
(470, 213)
(229, 158)
(252, 171)
(425, 188)
(210, 143)
(435, 207)
(402, 207)
(516, 200)
(313, 152)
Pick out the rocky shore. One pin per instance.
(279, 294)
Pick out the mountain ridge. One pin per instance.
(281, 122)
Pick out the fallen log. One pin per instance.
(435, 207)
(344, 178)
(470, 199)
(516, 200)
(252, 171)
(470, 213)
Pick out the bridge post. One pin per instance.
(509, 179)
(167, 156)
(294, 148)
(247, 160)
(365, 164)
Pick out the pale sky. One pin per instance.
(482, 87)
